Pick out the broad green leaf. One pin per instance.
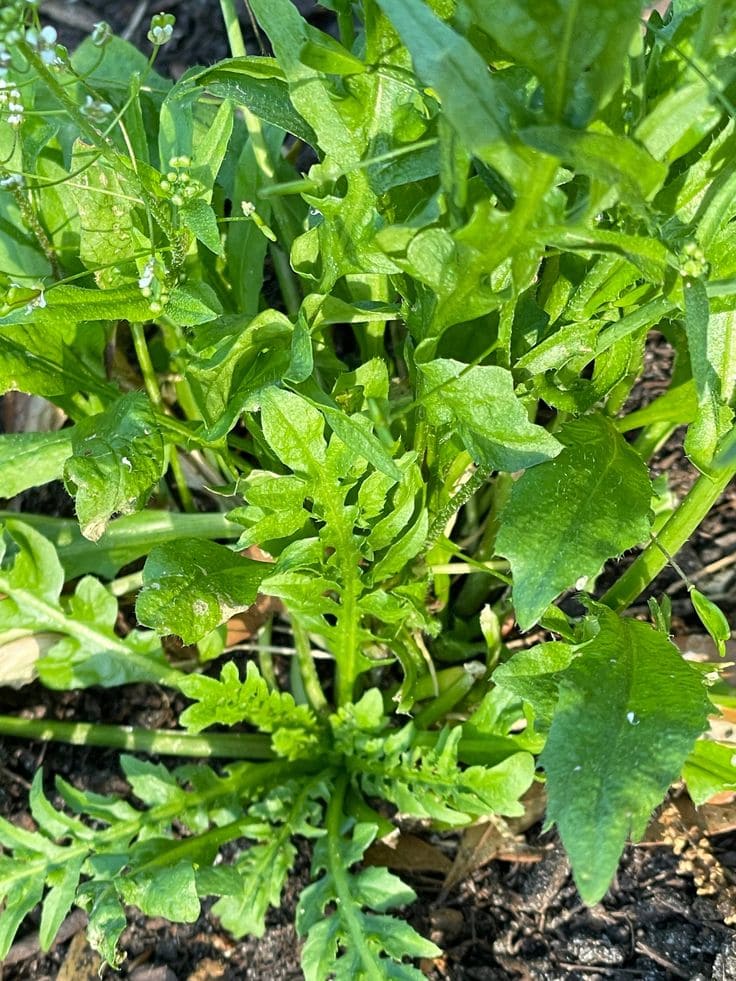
(712, 343)
(629, 712)
(201, 220)
(565, 518)
(713, 619)
(534, 675)
(32, 459)
(107, 239)
(191, 586)
(709, 769)
(606, 157)
(474, 101)
(117, 460)
(260, 85)
(479, 403)
(576, 49)
(294, 430)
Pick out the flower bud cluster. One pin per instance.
(44, 42)
(153, 284)
(178, 183)
(96, 111)
(11, 101)
(694, 263)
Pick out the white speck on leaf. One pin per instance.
(199, 608)
(632, 719)
(126, 462)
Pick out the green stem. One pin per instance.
(307, 667)
(345, 899)
(466, 491)
(452, 696)
(232, 26)
(675, 532)
(142, 353)
(160, 741)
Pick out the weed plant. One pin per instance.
(352, 328)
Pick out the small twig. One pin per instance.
(723, 563)
(135, 19)
(660, 959)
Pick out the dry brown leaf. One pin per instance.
(81, 962)
(18, 658)
(497, 839)
(408, 853)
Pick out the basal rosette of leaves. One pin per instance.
(353, 326)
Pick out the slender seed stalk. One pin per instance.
(307, 667)
(675, 533)
(234, 746)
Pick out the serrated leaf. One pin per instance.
(230, 700)
(479, 403)
(191, 586)
(117, 460)
(629, 712)
(565, 518)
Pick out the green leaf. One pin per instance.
(350, 942)
(607, 157)
(711, 344)
(58, 901)
(170, 892)
(208, 151)
(474, 101)
(191, 586)
(32, 459)
(709, 769)
(629, 712)
(230, 700)
(117, 460)
(258, 83)
(565, 518)
(479, 403)
(199, 218)
(576, 49)
(534, 675)
(107, 236)
(713, 619)
(294, 430)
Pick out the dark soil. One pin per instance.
(507, 920)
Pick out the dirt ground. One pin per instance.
(668, 915)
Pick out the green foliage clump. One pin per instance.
(384, 392)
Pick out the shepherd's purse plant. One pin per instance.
(346, 335)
